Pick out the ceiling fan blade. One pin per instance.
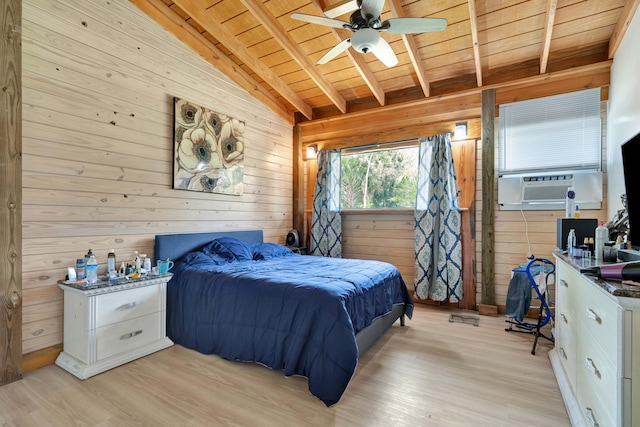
(414, 25)
(385, 53)
(335, 51)
(371, 9)
(321, 20)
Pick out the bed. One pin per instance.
(304, 315)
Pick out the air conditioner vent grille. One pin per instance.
(547, 178)
(550, 192)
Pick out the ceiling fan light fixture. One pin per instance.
(365, 40)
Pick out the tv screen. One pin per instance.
(631, 167)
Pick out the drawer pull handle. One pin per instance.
(129, 306)
(594, 316)
(131, 335)
(563, 353)
(591, 418)
(592, 367)
(564, 283)
(564, 318)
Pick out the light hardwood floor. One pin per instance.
(429, 373)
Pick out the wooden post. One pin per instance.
(10, 192)
(487, 305)
(298, 185)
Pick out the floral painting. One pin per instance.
(209, 150)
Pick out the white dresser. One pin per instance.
(108, 326)
(596, 358)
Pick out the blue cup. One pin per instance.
(164, 266)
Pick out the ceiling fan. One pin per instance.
(366, 26)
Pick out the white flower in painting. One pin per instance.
(198, 151)
(214, 121)
(204, 182)
(231, 139)
(187, 114)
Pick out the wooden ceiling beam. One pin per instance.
(341, 8)
(628, 11)
(358, 61)
(412, 49)
(473, 18)
(262, 15)
(367, 75)
(315, 131)
(548, 32)
(168, 19)
(213, 25)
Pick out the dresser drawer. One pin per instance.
(598, 389)
(566, 345)
(128, 335)
(569, 286)
(116, 307)
(601, 318)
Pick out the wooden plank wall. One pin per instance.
(99, 81)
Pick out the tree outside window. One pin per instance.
(379, 179)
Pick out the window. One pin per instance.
(560, 132)
(376, 178)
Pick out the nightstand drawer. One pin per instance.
(120, 306)
(128, 335)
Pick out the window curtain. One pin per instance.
(326, 222)
(438, 248)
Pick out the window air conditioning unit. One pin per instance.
(548, 191)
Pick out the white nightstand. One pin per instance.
(108, 325)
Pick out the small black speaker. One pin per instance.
(293, 238)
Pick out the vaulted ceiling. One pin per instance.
(260, 47)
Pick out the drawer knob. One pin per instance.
(129, 306)
(591, 418)
(591, 314)
(564, 283)
(592, 367)
(131, 335)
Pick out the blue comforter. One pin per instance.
(295, 313)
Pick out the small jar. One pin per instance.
(586, 253)
(80, 272)
(146, 263)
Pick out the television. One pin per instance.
(631, 166)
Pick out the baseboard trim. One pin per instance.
(570, 401)
(39, 358)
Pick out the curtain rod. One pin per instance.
(379, 145)
(382, 145)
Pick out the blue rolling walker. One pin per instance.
(545, 314)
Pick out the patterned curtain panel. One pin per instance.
(326, 222)
(438, 248)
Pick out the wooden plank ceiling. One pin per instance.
(261, 48)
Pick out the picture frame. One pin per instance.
(208, 150)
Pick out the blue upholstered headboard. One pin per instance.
(175, 246)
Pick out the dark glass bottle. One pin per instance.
(619, 271)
